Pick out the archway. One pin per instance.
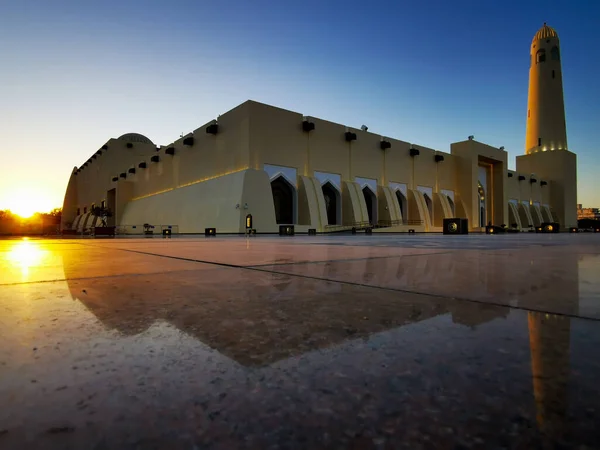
(535, 215)
(513, 216)
(482, 212)
(403, 205)
(452, 206)
(429, 204)
(525, 216)
(332, 203)
(371, 201)
(283, 200)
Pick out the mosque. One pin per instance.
(260, 167)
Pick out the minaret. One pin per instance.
(546, 127)
(546, 151)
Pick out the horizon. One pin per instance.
(83, 74)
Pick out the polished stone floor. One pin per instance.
(358, 342)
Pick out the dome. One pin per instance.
(135, 137)
(545, 32)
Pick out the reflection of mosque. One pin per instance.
(273, 321)
(279, 317)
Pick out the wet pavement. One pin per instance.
(357, 342)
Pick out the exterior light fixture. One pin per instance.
(213, 128)
(349, 136)
(307, 125)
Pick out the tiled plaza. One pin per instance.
(391, 341)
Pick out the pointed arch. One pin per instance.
(429, 204)
(284, 200)
(333, 203)
(403, 203)
(452, 205)
(371, 202)
(545, 216)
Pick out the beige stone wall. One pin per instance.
(95, 179)
(253, 135)
(222, 203)
(559, 169)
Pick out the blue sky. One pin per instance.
(76, 73)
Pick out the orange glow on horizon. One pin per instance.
(25, 202)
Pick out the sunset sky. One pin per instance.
(76, 73)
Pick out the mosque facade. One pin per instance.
(279, 167)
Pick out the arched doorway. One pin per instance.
(525, 215)
(403, 205)
(332, 203)
(283, 200)
(482, 212)
(452, 206)
(545, 216)
(371, 201)
(429, 204)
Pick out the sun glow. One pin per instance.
(26, 202)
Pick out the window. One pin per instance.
(541, 56)
(554, 54)
(553, 74)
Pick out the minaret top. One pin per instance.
(545, 32)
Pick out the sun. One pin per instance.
(26, 202)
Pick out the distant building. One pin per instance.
(268, 166)
(587, 213)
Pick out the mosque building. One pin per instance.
(279, 167)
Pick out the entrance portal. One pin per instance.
(371, 201)
(332, 203)
(403, 206)
(482, 212)
(429, 204)
(283, 200)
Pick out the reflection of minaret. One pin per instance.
(549, 341)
